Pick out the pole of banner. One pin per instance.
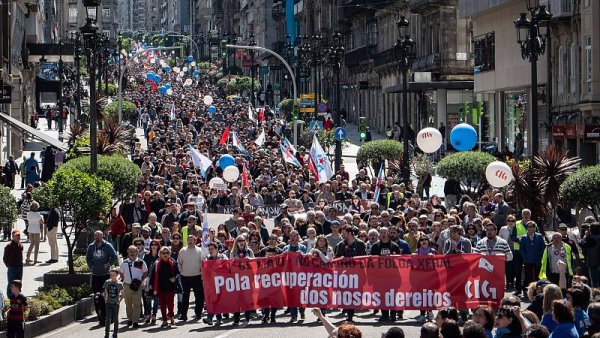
(291, 74)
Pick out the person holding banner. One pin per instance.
(294, 245)
(241, 251)
(213, 254)
(350, 247)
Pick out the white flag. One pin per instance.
(261, 139)
(321, 161)
(200, 161)
(250, 113)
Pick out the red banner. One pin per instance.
(369, 282)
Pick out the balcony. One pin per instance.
(429, 63)
(420, 6)
(562, 9)
(384, 58)
(357, 55)
(278, 10)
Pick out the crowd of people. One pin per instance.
(151, 253)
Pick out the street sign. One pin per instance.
(308, 96)
(307, 110)
(340, 133)
(6, 94)
(322, 107)
(264, 70)
(316, 125)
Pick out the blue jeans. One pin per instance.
(150, 303)
(112, 314)
(12, 274)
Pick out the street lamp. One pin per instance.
(336, 58)
(532, 35)
(89, 34)
(404, 53)
(316, 61)
(252, 70)
(60, 88)
(76, 38)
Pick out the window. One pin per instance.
(372, 33)
(484, 47)
(561, 66)
(574, 68)
(588, 64)
(73, 14)
(106, 14)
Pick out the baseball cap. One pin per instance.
(562, 226)
(542, 282)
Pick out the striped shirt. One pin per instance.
(16, 311)
(494, 247)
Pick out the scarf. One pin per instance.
(170, 261)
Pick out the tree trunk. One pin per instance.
(70, 262)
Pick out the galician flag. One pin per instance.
(200, 161)
(205, 233)
(378, 184)
(173, 112)
(261, 139)
(321, 161)
(289, 146)
(288, 157)
(236, 143)
(250, 113)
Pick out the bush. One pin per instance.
(81, 141)
(582, 187)
(121, 172)
(55, 297)
(112, 109)
(8, 212)
(287, 106)
(466, 167)
(112, 89)
(79, 263)
(380, 150)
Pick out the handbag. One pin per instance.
(135, 283)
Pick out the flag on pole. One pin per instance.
(312, 168)
(224, 137)
(250, 113)
(321, 161)
(289, 146)
(173, 112)
(288, 157)
(261, 139)
(205, 233)
(236, 143)
(200, 161)
(245, 181)
(261, 114)
(378, 184)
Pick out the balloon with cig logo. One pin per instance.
(463, 137)
(208, 100)
(498, 174)
(429, 140)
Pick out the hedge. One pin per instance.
(582, 187)
(466, 167)
(112, 109)
(376, 151)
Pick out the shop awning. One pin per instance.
(25, 129)
(426, 86)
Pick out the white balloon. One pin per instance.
(193, 64)
(187, 82)
(231, 173)
(176, 69)
(179, 79)
(215, 181)
(185, 69)
(498, 174)
(429, 140)
(152, 60)
(208, 100)
(169, 91)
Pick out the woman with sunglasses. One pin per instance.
(150, 300)
(471, 234)
(508, 324)
(163, 277)
(176, 246)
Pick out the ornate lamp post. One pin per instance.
(76, 38)
(252, 68)
(89, 34)
(336, 58)
(60, 88)
(532, 35)
(403, 50)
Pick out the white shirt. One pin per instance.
(190, 261)
(34, 218)
(138, 269)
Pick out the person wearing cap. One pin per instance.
(556, 252)
(590, 244)
(190, 210)
(127, 239)
(191, 228)
(531, 250)
(283, 214)
(575, 260)
(536, 296)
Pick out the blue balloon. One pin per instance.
(212, 109)
(162, 89)
(226, 161)
(196, 73)
(167, 69)
(167, 85)
(190, 58)
(150, 76)
(463, 137)
(157, 78)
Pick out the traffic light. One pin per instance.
(223, 48)
(362, 127)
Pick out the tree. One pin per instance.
(287, 106)
(121, 172)
(8, 212)
(84, 197)
(374, 152)
(112, 89)
(112, 109)
(326, 139)
(581, 188)
(468, 168)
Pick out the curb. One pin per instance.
(58, 318)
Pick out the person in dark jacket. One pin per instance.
(590, 244)
(48, 165)
(162, 279)
(135, 212)
(52, 228)
(350, 247)
(532, 247)
(13, 259)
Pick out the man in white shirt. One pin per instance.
(132, 269)
(493, 245)
(189, 261)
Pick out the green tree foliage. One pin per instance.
(238, 85)
(582, 187)
(112, 109)
(287, 106)
(374, 152)
(466, 167)
(121, 172)
(326, 139)
(83, 196)
(112, 89)
(8, 211)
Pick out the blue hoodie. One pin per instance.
(565, 330)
